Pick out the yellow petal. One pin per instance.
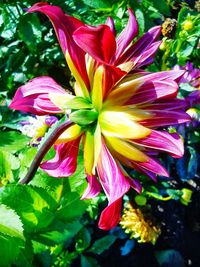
(123, 91)
(97, 146)
(88, 152)
(81, 89)
(70, 134)
(122, 125)
(126, 149)
(97, 89)
(60, 100)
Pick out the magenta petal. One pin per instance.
(110, 216)
(154, 90)
(64, 162)
(111, 25)
(33, 97)
(136, 185)
(141, 45)
(115, 186)
(64, 26)
(127, 35)
(99, 42)
(163, 141)
(165, 118)
(147, 57)
(93, 188)
(153, 166)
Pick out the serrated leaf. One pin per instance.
(102, 244)
(71, 207)
(10, 223)
(34, 205)
(13, 141)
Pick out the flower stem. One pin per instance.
(43, 150)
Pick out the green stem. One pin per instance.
(43, 150)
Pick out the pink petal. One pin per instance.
(115, 186)
(93, 188)
(111, 25)
(127, 35)
(165, 117)
(33, 97)
(154, 90)
(163, 141)
(64, 26)
(148, 56)
(110, 216)
(141, 45)
(136, 185)
(64, 162)
(153, 166)
(99, 42)
(171, 104)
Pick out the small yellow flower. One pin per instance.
(139, 225)
(187, 25)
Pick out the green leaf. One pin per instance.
(13, 141)
(99, 3)
(88, 262)
(71, 207)
(10, 223)
(34, 205)
(9, 249)
(141, 21)
(59, 232)
(29, 31)
(83, 240)
(102, 244)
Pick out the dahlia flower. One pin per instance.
(116, 108)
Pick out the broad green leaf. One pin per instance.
(71, 207)
(13, 141)
(99, 3)
(141, 21)
(102, 244)
(59, 232)
(10, 223)
(34, 205)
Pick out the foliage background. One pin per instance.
(45, 223)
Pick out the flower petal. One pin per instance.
(126, 149)
(72, 133)
(165, 118)
(115, 186)
(121, 124)
(64, 162)
(163, 141)
(33, 97)
(127, 35)
(99, 42)
(64, 26)
(110, 216)
(93, 188)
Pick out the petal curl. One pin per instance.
(33, 97)
(65, 160)
(99, 42)
(93, 188)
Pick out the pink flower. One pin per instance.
(115, 110)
